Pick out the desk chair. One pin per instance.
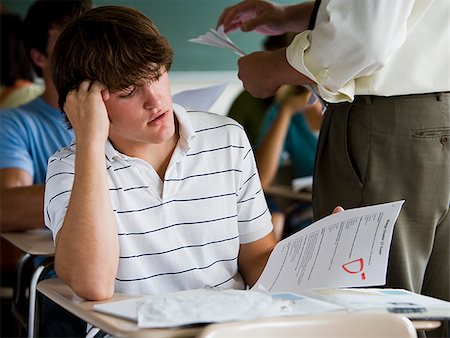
(34, 243)
(326, 325)
(23, 307)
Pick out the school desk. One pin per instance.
(63, 295)
(33, 243)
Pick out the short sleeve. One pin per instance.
(58, 188)
(254, 219)
(14, 151)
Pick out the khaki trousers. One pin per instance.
(382, 149)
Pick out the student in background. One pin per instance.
(29, 134)
(248, 110)
(288, 137)
(151, 198)
(17, 77)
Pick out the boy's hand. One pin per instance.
(338, 209)
(86, 110)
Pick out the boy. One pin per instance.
(151, 198)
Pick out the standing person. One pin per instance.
(385, 135)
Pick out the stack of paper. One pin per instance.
(217, 38)
(404, 302)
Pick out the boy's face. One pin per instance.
(141, 115)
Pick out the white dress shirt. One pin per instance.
(376, 47)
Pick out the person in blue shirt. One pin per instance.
(288, 136)
(29, 134)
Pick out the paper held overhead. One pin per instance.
(218, 38)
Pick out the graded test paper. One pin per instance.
(346, 249)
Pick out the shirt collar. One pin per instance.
(185, 128)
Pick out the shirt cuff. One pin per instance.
(297, 57)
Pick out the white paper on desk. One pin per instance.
(200, 99)
(302, 305)
(345, 249)
(302, 183)
(148, 312)
(407, 303)
(218, 38)
(200, 306)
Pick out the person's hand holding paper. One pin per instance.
(218, 38)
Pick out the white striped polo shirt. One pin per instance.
(185, 232)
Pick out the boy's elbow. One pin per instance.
(92, 291)
(87, 286)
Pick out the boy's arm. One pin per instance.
(253, 258)
(87, 245)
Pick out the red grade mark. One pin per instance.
(355, 266)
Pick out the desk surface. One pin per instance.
(36, 242)
(61, 294)
(285, 191)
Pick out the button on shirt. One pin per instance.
(382, 47)
(183, 232)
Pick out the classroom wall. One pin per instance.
(180, 20)
(194, 65)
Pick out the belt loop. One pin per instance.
(439, 96)
(368, 99)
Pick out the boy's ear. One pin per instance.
(38, 58)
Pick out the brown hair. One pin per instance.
(115, 45)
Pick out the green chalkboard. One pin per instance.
(180, 20)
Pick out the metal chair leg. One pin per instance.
(33, 313)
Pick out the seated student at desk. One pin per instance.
(151, 198)
(32, 132)
(290, 129)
